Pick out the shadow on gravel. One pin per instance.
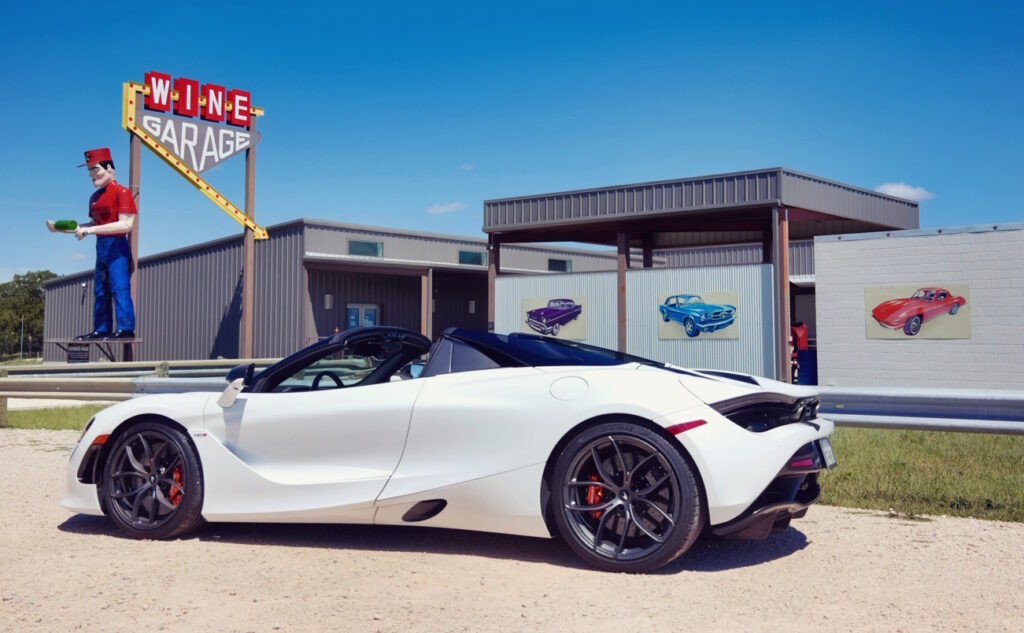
(706, 555)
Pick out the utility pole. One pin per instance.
(21, 350)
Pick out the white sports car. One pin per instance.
(627, 459)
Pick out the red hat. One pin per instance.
(94, 156)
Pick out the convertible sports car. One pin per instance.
(910, 314)
(627, 459)
(695, 316)
(550, 319)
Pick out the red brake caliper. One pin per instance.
(175, 495)
(594, 494)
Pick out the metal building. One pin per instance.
(739, 211)
(312, 276)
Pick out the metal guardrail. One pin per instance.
(969, 411)
(965, 411)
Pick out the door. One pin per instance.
(318, 445)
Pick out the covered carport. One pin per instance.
(770, 206)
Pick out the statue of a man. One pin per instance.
(112, 212)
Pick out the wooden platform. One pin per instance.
(78, 351)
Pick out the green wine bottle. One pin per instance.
(65, 225)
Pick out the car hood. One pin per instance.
(888, 308)
(545, 312)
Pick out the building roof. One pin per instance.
(715, 209)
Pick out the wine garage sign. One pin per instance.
(193, 127)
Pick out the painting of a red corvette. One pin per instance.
(910, 314)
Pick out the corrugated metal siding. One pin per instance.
(398, 297)
(752, 352)
(328, 241)
(597, 291)
(452, 294)
(691, 194)
(817, 194)
(190, 301)
(801, 256)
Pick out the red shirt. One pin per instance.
(106, 204)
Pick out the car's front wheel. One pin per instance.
(554, 329)
(955, 308)
(152, 485)
(912, 326)
(626, 499)
(690, 327)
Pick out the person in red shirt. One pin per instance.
(112, 211)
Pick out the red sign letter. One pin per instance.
(214, 110)
(239, 100)
(159, 97)
(188, 97)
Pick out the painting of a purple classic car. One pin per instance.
(695, 316)
(550, 319)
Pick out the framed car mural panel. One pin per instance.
(922, 311)
(690, 315)
(560, 317)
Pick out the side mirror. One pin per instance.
(230, 393)
(244, 372)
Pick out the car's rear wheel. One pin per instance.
(152, 485)
(625, 498)
(912, 326)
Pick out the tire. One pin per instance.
(152, 486)
(625, 498)
(664, 317)
(955, 308)
(912, 326)
(690, 327)
(554, 329)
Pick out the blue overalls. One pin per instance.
(112, 280)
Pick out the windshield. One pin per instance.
(694, 299)
(924, 293)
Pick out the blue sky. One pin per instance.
(411, 116)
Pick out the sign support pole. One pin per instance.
(245, 348)
(134, 180)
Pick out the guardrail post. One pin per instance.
(3, 403)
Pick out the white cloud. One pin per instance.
(466, 167)
(451, 207)
(79, 257)
(903, 190)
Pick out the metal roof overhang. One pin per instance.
(719, 209)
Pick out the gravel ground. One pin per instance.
(836, 570)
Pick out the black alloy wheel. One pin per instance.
(152, 485)
(625, 498)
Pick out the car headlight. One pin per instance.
(704, 317)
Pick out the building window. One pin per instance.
(560, 265)
(366, 249)
(362, 315)
(473, 258)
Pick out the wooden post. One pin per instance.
(134, 182)
(623, 264)
(245, 346)
(780, 268)
(426, 303)
(3, 403)
(493, 270)
(648, 252)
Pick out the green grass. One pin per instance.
(62, 418)
(911, 472)
(926, 472)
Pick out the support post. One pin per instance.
(245, 346)
(3, 403)
(426, 303)
(134, 184)
(780, 270)
(493, 270)
(623, 264)
(648, 252)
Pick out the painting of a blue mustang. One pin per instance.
(695, 316)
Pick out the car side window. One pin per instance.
(942, 295)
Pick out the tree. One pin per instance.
(22, 297)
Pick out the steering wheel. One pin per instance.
(327, 374)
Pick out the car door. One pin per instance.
(312, 450)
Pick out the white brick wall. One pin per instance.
(992, 263)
